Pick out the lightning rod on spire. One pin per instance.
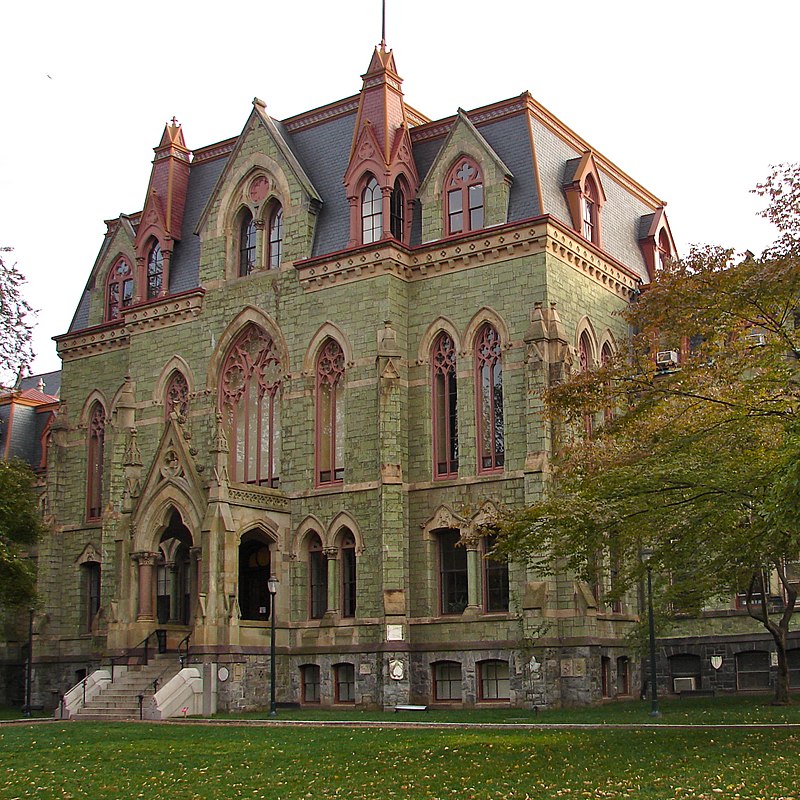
(383, 24)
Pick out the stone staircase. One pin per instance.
(120, 699)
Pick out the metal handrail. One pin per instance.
(130, 650)
(184, 659)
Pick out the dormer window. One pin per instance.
(155, 271)
(664, 250)
(585, 197)
(119, 293)
(464, 197)
(247, 244)
(371, 213)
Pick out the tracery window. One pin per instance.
(155, 271)
(177, 395)
(276, 237)
(249, 399)
(445, 407)
(247, 244)
(120, 289)
(464, 197)
(317, 579)
(371, 212)
(489, 381)
(330, 414)
(347, 571)
(453, 595)
(95, 459)
(398, 212)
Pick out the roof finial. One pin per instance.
(383, 24)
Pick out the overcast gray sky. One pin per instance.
(693, 99)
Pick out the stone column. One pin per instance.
(145, 561)
(332, 557)
(473, 577)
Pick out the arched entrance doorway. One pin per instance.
(173, 573)
(255, 566)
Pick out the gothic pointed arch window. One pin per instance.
(176, 396)
(664, 249)
(317, 578)
(397, 212)
(330, 413)
(275, 237)
(155, 271)
(464, 197)
(586, 362)
(119, 289)
(255, 568)
(250, 388)
(247, 243)
(371, 212)
(489, 384)
(347, 572)
(445, 407)
(95, 460)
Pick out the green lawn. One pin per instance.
(730, 709)
(131, 760)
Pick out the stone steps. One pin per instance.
(120, 699)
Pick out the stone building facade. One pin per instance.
(317, 353)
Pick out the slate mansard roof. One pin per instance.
(540, 152)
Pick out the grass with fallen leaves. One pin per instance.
(131, 760)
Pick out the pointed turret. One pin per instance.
(382, 147)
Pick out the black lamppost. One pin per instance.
(272, 586)
(654, 712)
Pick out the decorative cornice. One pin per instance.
(161, 313)
(256, 497)
(347, 106)
(214, 151)
(477, 249)
(100, 339)
(440, 128)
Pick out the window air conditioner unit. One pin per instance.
(756, 339)
(667, 358)
(683, 685)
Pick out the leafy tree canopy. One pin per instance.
(20, 528)
(15, 330)
(698, 465)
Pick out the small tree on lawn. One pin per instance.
(700, 463)
(15, 330)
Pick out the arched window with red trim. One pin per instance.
(330, 413)
(397, 211)
(590, 208)
(347, 572)
(155, 271)
(371, 212)
(317, 578)
(249, 398)
(119, 291)
(464, 197)
(95, 460)
(585, 356)
(275, 237)
(489, 383)
(247, 243)
(664, 249)
(445, 407)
